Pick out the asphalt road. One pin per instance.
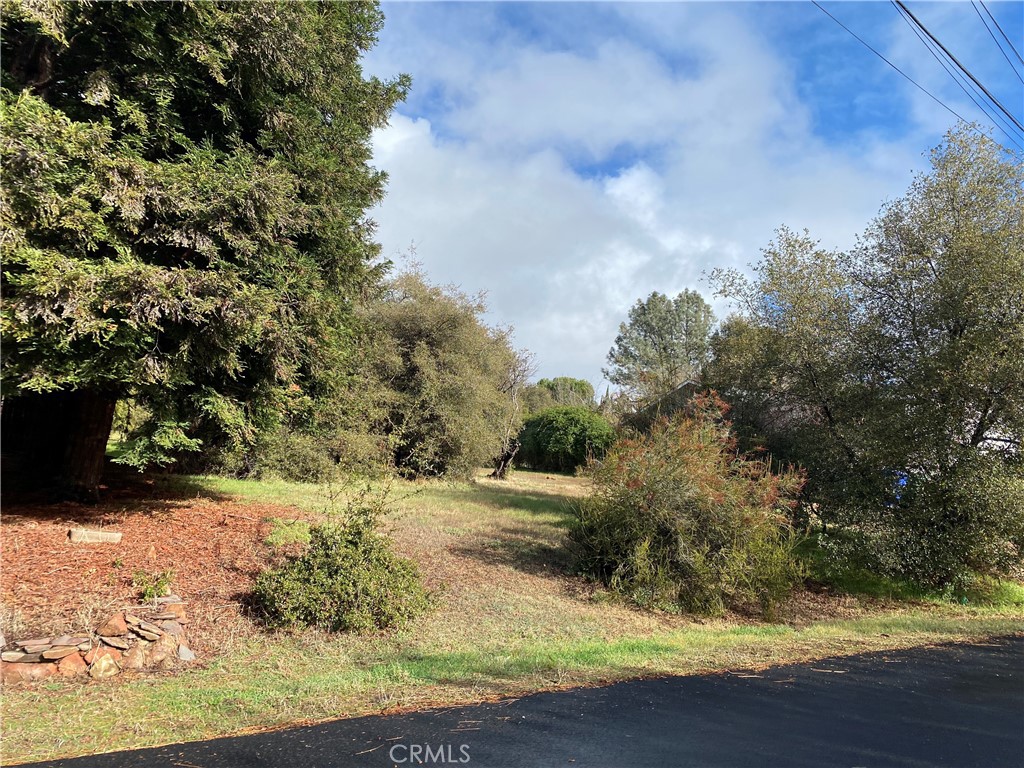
(956, 705)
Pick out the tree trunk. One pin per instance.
(504, 462)
(56, 441)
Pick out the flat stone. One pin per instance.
(34, 641)
(178, 609)
(136, 657)
(164, 616)
(132, 619)
(172, 628)
(87, 536)
(168, 600)
(185, 653)
(149, 626)
(36, 648)
(69, 640)
(72, 666)
(103, 667)
(116, 642)
(115, 626)
(146, 635)
(59, 652)
(25, 673)
(20, 657)
(85, 646)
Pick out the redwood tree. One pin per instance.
(185, 188)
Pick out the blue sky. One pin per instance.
(570, 158)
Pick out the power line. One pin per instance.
(960, 66)
(996, 41)
(962, 82)
(958, 80)
(1007, 39)
(908, 77)
(920, 87)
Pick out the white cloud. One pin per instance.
(721, 153)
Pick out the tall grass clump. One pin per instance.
(679, 520)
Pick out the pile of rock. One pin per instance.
(144, 637)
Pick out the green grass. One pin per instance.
(508, 620)
(284, 531)
(298, 679)
(983, 591)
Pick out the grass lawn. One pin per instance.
(508, 619)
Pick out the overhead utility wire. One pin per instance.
(960, 80)
(962, 68)
(1007, 39)
(908, 77)
(996, 41)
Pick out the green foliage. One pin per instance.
(185, 187)
(664, 343)
(942, 531)
(152, 585)
(562, 438)
(447, 380)
(679, 520)
(297, 456)
(348, 579)
(561, 390)
(845, 572)
(893, 372)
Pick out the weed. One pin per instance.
(152, 585)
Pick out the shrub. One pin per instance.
(563, 438)
(679, 521)
(299, 457)
(941, 530)
(348, 579)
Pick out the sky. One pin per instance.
(570, 158)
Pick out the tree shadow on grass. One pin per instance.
(533, 501)
(520, 549)
(124, 490)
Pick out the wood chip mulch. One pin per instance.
(213, 547)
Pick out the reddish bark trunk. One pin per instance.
(56, 441)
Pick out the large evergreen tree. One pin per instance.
(185, 190)
(664, 343)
